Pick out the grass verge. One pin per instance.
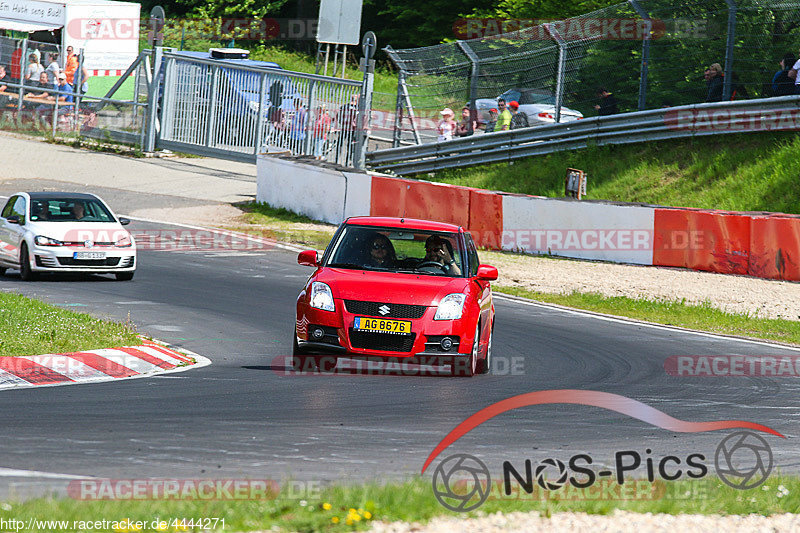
(347, 508)
(284, 225)
(703, 317)
(31, 327)
(739, 172)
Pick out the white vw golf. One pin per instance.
(64, 232)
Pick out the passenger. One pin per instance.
(380, 252)
(439, 250)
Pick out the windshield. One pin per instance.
(511, 95)
(396, 250)
(69, 210)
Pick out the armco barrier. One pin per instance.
(715, 241)
(775, 247)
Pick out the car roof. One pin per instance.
(43, 195)
(395, 222)
(231, 61)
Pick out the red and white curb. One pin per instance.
(95, 366)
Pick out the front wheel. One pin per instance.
(124, 276)
(485, 364)
(25, 271)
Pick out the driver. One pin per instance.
(380, 252)
(439, 250)
(78, 210)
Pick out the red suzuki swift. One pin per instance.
(395, 288)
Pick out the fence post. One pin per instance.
(562, 60)
(473, 80)
(645, 53)
(728, 83)
(76, 88)
(310, 118)
(398, 110)
(364, 111)
(21, 80)
(212, 104)
(152, 102)
(262, 103)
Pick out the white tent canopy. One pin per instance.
(29, 27)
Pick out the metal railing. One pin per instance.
(765, 114)
(221, 109)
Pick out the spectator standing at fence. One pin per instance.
(34, 68)
(3, 78)
(608, 103)
(503, 117)
(447, 126)
(53, 68)
(347, 120)
(322, 125)
(490, 124)
(70, 65)
(463, 129)
(297, 131)
(714, 83)
(782, 84)
(16, 63)
(518, 119)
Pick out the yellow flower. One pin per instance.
(335, 520)
(326, 506)
(349, 522)
(367, 515)
(352, 511)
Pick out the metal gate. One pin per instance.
(235, 111)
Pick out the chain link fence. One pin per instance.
(648, 53)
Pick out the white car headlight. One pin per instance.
(41, 240)
(124, 242)
(321, 296)
(451, 307)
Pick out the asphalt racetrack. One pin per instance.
(243, 417)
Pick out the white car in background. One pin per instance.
(64, 232)
(537, 104)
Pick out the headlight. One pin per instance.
(451, 307)
(41, 240)
(124, 242)
(321, 296)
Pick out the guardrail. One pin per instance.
(766, 114)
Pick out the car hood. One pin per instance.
(388, 287)
(78, 232)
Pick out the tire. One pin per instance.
(124, 276)
(485, 364)
(3, 270)
(471, 368)
(25, 271)
(300, 361)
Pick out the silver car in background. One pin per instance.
(64, 232)
(537, 104)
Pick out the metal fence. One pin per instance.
(758, 115)
(221, 109)
(648, 53)
(26, 105)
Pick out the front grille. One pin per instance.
(69, 261)
(395, 310)
(386, 342)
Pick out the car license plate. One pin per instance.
(399, 327)
(89, 255)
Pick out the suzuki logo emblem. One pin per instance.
(384, 310)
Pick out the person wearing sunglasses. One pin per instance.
(380, 252)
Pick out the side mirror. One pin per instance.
(13, 219)
(124, 221)
(486, 273)
(308, 258)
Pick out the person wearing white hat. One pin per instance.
(447, 125)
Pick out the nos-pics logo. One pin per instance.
(462, 482)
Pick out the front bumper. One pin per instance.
(424, 342)
(62, 259)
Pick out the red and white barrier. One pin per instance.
(761, 245)
(93, 365)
